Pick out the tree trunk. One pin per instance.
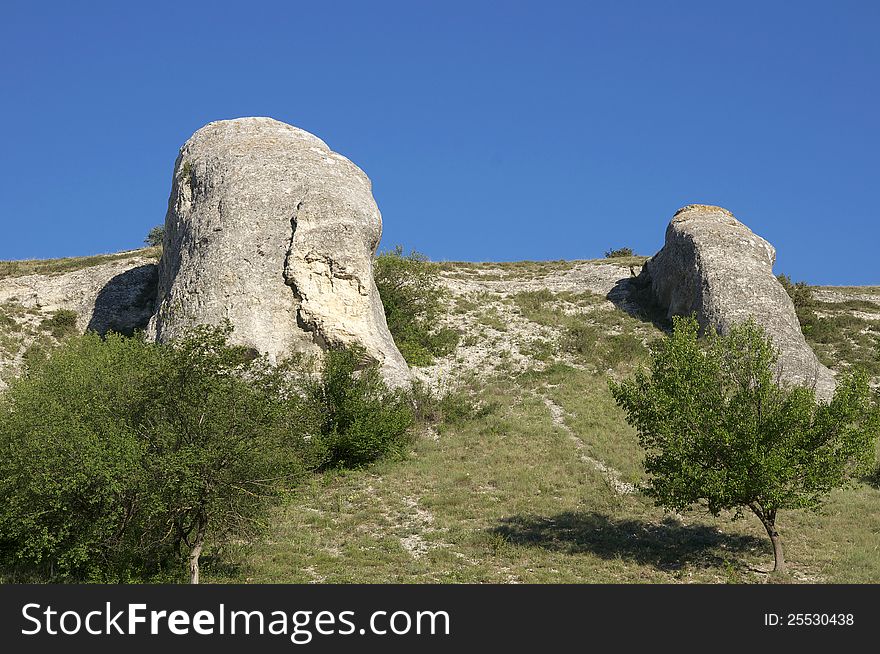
(779, 557)
(195, 553)
(768, 519)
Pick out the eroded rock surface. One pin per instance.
(714, 266)
(270, 229)
(117, 296)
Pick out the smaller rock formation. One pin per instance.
(116, 296)
(716, 267)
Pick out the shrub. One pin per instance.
(720, 432)
(622, 347)
(155, 236)
(580, 338)
(8, 323)
(359, 418)
(800, 292)
(816, 329)
(61, 323)
(530, 302)
(618, 253)
(413, 298)
(120, 459)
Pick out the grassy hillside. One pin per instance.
(69, 264)
(532, 473)
(533, 479)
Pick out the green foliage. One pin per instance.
(8, 323)
(580, 338)
(155, 236)
(451, 407)
(602, 337)
(413, 297)
(120, 458)
(800, 292)
(359, 418)
(814, 328)
(718, 430)
(837, 335)
(61, 323)
(618, 253)
(38, 352)
(620, 348)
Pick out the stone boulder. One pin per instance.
(714, 266)
(269, 228)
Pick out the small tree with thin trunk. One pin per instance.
(721, 431)
(224, 433)
(155, 236)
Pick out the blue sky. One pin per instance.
(491, 131)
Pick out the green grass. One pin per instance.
(592, 331)
(844, 334)
(61, 323)
(69, 264)
(491, 318)
(503, 496)
(842, 340)
(502, 270)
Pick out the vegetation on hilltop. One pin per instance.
(69, 264)
(618, 253)
(155, 236)
(844, 334)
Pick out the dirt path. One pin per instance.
(557, 414)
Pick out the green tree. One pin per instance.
(618, 253)
(359, 418)
(155, 236)
(720, 430)
(225, 433)
(120, 459)
(413, 298)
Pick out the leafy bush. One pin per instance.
(155, 236)
(413, 297)
(720, 432)
(816, 329)
(622, 347)
(618, 253)
(530, 302)
(120, 459)
(580, 338)
(800, 292)
(451, 407)
(61, 323)
(359, 418)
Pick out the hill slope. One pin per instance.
(532, 474)
(533, 478)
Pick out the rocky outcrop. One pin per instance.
(270, 229)
(716, 267)
(117, 296)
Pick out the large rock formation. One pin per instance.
(270, 229)
(716, 267)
